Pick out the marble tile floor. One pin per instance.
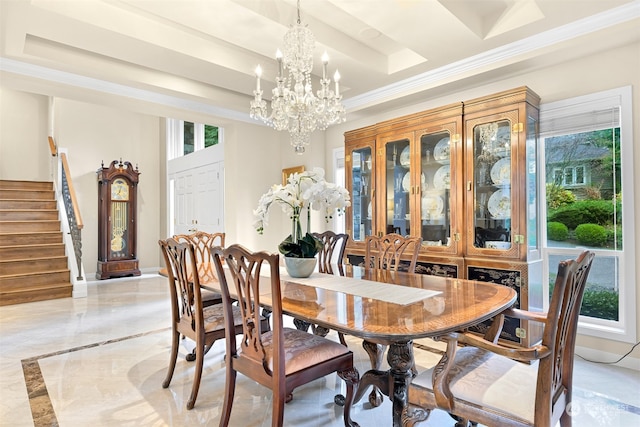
(100, 361)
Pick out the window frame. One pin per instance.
(175, 137)
(625, 328)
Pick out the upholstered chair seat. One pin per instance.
(493, 382)
(302, 350)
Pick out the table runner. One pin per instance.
(402, 295)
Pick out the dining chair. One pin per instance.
(492, 384)
(280, 359)
(392, 252)
(330, 256)
(203, 325)
(202, 243)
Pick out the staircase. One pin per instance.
(33, 264)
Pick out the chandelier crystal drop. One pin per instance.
(294, 107)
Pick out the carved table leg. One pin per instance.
(375, 352)
(321, 331)
(351, 377)
(400, 358)
(301, 325)
(415, 415)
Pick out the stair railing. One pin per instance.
(71, 220)
(74, 219)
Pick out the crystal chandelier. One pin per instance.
(294, 107)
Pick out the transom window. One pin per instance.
(188, 137)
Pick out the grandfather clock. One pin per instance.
(117, 220)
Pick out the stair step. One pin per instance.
(25, 295)
(27, 204)
(28, 214)
(10, 193)
(26, 185)
(28, 226)
(18, 239)
(19, 266)
(15, 282)
(31, 251)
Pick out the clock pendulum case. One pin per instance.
(117, 220)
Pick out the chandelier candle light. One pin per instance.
(294, 107)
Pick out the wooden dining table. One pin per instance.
(390, 309)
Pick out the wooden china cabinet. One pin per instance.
(463, 177)
(400, 175)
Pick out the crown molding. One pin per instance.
(495, 57)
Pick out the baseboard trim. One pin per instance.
(605, 357)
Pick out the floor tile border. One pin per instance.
(42, 410)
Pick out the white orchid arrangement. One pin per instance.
(305, 190)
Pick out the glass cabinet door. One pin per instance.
(435, 200)
(361, 193)
(492, 164)
(397, 186)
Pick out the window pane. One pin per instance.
(588, 205)
(210, 135)
(580, 175)
(189, 143)
(557, 176)
(586, 212)
(568, 176)
(601, 294)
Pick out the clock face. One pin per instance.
(119, 190)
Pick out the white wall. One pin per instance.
(24, 151)
(254, 158)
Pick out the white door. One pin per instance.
(208, 199)
(198, 202)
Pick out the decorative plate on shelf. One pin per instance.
(501, 172)
(405, 157)
(406, 181)
(441, 152)
(369, 211)
(442, 178)
(432, 207)
(500, 204)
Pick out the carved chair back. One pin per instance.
(203, 242)
(333, 247)
(387, 252)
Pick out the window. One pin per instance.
(187, 137)
(588, 202)
(569, 176)
(339, 222)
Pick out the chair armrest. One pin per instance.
(526, 315)
(529, 354)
